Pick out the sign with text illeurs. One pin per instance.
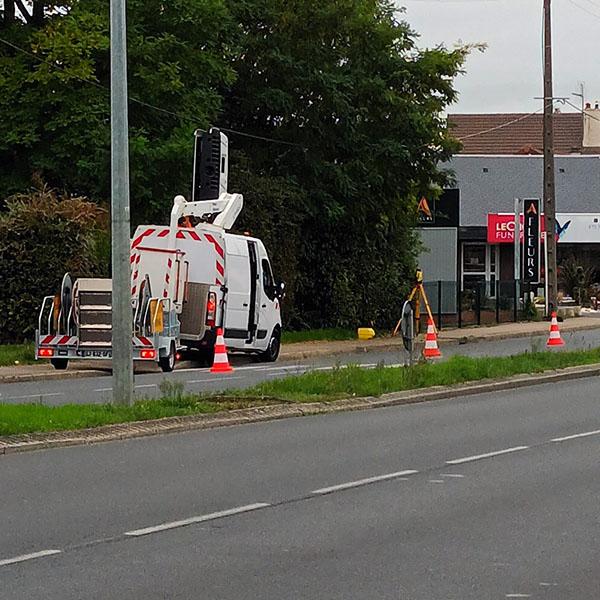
(531, 240)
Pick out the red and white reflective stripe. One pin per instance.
(135, 259)
(141, 341)
(59, 340)
(139, 239)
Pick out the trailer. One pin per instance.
(188, 279)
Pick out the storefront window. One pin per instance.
(479, 268)
(474, 258)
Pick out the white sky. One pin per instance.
(508, 76)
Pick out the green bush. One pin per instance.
(44, 234)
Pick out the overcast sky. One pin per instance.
(508, 76)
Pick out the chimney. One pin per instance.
(591, 126)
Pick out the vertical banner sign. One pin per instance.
(531, 240)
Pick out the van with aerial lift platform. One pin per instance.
(188, 279)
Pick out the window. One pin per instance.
(268, 281)
(480, 268)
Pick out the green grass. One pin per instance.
(13, 353)
(314, 335)
(353, 381)
(30, 418)
(321, 386)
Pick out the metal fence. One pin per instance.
(478, 302)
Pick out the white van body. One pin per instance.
(191, 263)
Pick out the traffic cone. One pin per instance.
(431, 349)
(554, 339)
(221, 362)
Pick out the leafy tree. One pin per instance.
(55, 96)
(346, 82)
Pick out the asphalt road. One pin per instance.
(484, 497)
(247, 373)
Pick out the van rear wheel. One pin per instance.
(272, 352)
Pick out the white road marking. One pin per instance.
(452, 475)
(104, 390)
(199, 519)
(24, 557)
(459, 461)
(40, 395)
(518, 595)
(436, 481)
(545, 584)
(361, 482)
(211, 380)
(146, 385)
(577, 435)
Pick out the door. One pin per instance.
(252, 312)
(269, 309)
(238, 290)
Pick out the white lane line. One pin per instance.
(577, 435)
(198, 519)
(24, 557)
(436, 481)
(518, 595)
(360, 482)
(213, 380)
(104, 390)
(40, 395)
(459, 461)
(452, 475)
(146, 385)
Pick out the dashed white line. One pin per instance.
(518, 595)
(41, 395)
(436, 481)
(459, 461)
(577, 435)
(211, 380)
(452, 475)
(198, 519)
(146, 385)
(361, 482)
(24, 557)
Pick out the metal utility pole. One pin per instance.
(121, 301)
(549, 184)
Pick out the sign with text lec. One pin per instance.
(531, 240)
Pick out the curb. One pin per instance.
(137, 429)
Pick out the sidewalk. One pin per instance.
(303, 350)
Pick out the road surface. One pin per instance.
(247, 373)
(476, 498)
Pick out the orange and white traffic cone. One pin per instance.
(554, 339)
(221, 362)
(431, 349)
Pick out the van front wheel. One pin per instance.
(272, 352)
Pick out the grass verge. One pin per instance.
(315, 335)
(12, 354)
(320, 386)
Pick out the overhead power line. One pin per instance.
(184, 117)
(587, 10)
(501, 126)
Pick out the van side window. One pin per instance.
(268, 282)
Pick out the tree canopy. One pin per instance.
(352, 107)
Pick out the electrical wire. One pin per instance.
(501, 126)
(586, 10)
(185, 117)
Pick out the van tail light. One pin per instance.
(46, 352)
(211, 309)
(148, 354)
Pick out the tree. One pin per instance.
(54, 97)
(346, 82)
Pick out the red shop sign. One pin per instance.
(501, 228)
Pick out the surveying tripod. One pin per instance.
(417, 293)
